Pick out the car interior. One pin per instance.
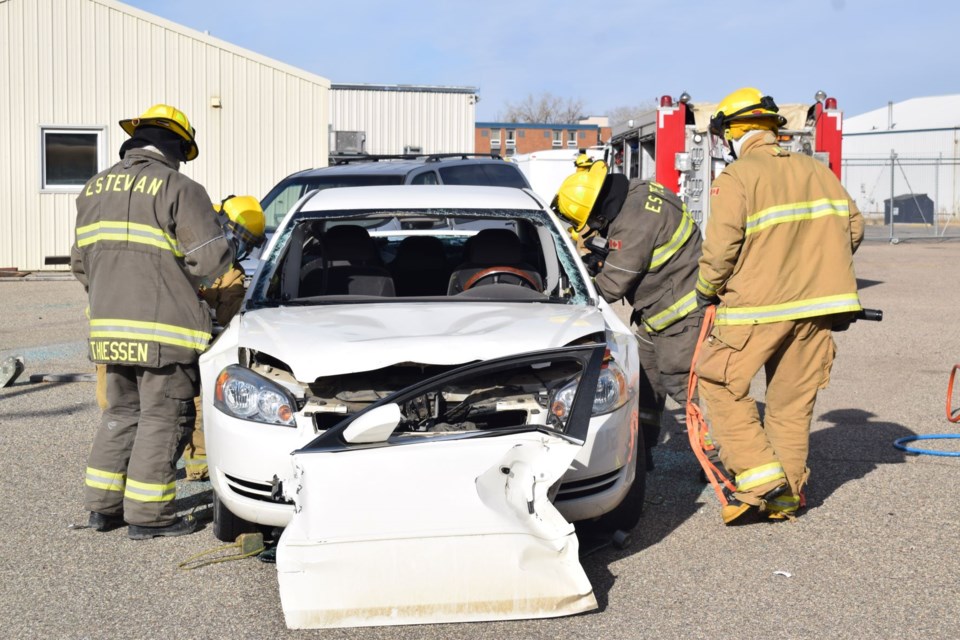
(511, 259)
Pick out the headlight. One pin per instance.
(611, 393)
(241, 393)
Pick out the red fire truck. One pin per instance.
(672, 145)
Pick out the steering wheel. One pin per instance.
(497, 273)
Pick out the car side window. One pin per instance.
(427, 177)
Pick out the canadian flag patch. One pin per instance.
(614, 245)
(715, 191)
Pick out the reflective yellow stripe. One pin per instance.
(149, 331)
(106, 480)
(796, 212)
(784, 504)
(666, 251)
(759, 476)
(123, 231)
(797, 310)
(147, 492)
(705, 287)
(671, 314)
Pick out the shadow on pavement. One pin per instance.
(865, 284)
(674, 493)
(850, 448)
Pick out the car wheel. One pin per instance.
(627, 514)
(226, 526)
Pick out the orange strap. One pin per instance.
(697, 431)
(951, 416)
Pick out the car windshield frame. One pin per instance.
(567, 261)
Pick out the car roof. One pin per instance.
(392, 167)
(422, 197)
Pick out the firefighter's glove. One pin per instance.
(593, 263)
(842, 322)
(704, 300)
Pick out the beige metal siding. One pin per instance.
(437, 121)
(95, 62)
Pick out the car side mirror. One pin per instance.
(375, 425)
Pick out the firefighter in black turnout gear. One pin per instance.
(147, 239)
(644, 248)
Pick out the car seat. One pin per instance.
(420, 268)
(347, 263)
(494, 248)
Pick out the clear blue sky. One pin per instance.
(608, 54)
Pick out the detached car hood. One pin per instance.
(328, 340)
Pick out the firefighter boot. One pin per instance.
(736, 512)
(179, 527)
(786, 506)
(103, 522)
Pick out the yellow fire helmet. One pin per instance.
(242, 220)
(744, 110)
(163, 115)
(578, 193)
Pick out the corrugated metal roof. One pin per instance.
(419, 88)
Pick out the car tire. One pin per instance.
(626, 515)
(226, 526)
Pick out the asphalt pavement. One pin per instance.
(875, 555)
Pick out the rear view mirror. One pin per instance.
(375, 425)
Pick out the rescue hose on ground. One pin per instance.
(697, 430)
(952, 416)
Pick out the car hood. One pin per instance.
(328, 340)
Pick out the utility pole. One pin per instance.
(893, 210)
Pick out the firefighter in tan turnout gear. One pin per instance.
(778, 256)
(242, 220)
(644, 248)
(146, 240)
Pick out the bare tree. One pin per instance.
(544, 109)
(624, 113)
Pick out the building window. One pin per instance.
(484, 133)
(546, 134)
(511, 138)
(494, 137)
(557, 138)
(571, 138)
(583, 135)
(70, 156)
(522, 133)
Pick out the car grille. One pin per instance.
(253, 490)
(587, 487)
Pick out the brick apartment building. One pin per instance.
(511, 138)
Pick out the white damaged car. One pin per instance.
(368, 292)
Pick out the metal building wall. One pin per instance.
(927, 161)
(94, 62)
(395, 117)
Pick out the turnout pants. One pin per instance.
(665, 357)
(797, 356)
(131, 471)
(195, 453)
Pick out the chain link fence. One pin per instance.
(906, 196)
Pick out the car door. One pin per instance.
(432, 505)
